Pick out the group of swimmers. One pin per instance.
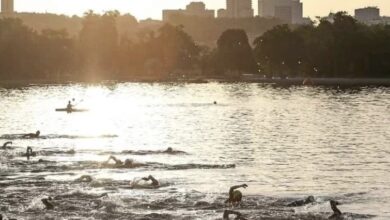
(234, 199)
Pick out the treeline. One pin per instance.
(208, 30)
(342, 48)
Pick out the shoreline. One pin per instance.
(358, 82)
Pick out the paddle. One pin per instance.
(78, 102)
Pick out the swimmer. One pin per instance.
(5, 145)
(169, 150)
(30, 153)
(154, 183)
(306, 201)
(129, 163)
(226, 214)
(47, 203)
(336, 212)
(235, 196)
(32, 135)
(84, 179)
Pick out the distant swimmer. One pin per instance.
(5, 145)
(235, 196)
(226, 214)
(154, 183)
(303, 202)
(47, 203)
(32, 135)
(119, 164)
(170, 150)
(336, 212)
(30, 153)
(84, 179)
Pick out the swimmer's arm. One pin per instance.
(6, 144)
(114, 159)
(237, 187)
(154, 181)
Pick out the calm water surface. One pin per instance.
(286, 143)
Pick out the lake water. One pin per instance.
(284, 143)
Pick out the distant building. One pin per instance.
(222, 13)
(368, 15)
(197, 9)
(281, 9)
(237, 9)
(7, 6)
(284, 13)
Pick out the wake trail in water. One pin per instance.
(54, 136)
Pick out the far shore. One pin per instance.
(245, 79)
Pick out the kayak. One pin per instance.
(72, 110)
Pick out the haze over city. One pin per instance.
(153, 8)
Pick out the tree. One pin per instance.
(234, 52)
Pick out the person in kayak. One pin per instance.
(129, 163)
(69, 107)
(32, 135)
(235, 196)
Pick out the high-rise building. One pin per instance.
(237, 9)
(7, 6)
(197, 9)
(284, 13)
(369, 14)
(278, 9)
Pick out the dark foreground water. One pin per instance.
(285, 143)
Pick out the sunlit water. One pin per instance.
(285, 143)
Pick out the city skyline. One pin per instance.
(311, 8)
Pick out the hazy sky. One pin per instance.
(152, 8)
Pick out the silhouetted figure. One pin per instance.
(226, 214)
(215, 102)
(5, 145)
(336, 212)
(154, 181)
(30, 153)
(235, 196)
(69, 107)
(119, 164)
(84, 179)
(169, 150)
(32, 135)
(47, 203)
(303, 202)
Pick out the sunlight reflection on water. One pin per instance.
(284, 141)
